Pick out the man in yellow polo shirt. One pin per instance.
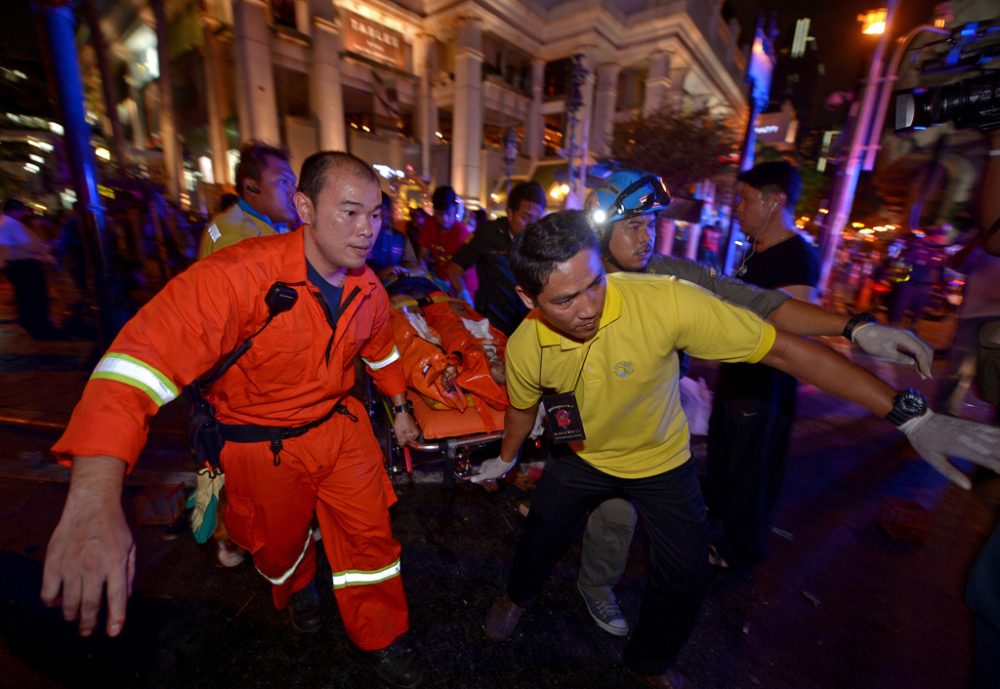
(601, 350)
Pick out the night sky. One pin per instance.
(845, 51)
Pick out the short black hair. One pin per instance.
(774, 176)
(554, 239)
(443, 198)
(532, 192)
(253, 160)
(316, 167)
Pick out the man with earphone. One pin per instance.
(750, 430)
(265, 183)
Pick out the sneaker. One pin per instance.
(606, 614)
(305, 608)
(230, 555)
(396, 665)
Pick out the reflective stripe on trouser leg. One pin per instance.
(269, 512)
(358, 578)
(352, 508)
(277, 581)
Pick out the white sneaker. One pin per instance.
(606, 614)
(230, 555)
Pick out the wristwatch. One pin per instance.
(907, 405)
(404, 408)
(856, 320)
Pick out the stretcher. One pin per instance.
(453, 362)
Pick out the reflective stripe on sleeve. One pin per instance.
(353, 577)
(284, 577)
(131, 371)
(376, 365)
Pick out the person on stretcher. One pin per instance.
(449, 350)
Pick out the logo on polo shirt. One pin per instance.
(623, 369)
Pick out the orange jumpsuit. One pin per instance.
(297, 368)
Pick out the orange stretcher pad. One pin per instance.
(438, 424)
(453, 363)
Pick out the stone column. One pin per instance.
(215, 94)
(255, 75)
(326, 94)
(605, 105)
(657, 82)
(467, 124)
(585, 117)
(173, 164)
(534, 128)
(425, 66)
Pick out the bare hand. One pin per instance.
(91, 549)
(406, 429)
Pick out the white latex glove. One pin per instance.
(935, 436)
(492, 469)
(895, 345)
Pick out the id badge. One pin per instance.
(562, 417)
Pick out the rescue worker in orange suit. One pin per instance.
(297, 373)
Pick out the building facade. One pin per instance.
(431, 85)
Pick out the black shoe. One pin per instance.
(306, 609)
(396, 665)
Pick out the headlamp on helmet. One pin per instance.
(624, 195)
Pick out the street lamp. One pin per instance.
(867, 131)
(873, 22)
(509, 155)
(846, 184)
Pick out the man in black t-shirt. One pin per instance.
(754, 408)
(487, 252)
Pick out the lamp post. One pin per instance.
(509, 155)
(574, 101)
(60, 30)
(877, 22)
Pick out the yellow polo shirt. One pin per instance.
(626, 376)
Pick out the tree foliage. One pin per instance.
(682, 147)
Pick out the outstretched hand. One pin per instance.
(936, 436)
(91, 550)
(895, 345)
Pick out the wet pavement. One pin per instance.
(838, 603)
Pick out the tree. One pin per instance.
(682, 147)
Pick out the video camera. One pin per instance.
(967, 103)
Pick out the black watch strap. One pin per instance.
(907, 405)
(856, 320)
(404, 408)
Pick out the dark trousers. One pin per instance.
(671, 506)
(983, 596)
(748, 442)
(909, 296)
(27, 277)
